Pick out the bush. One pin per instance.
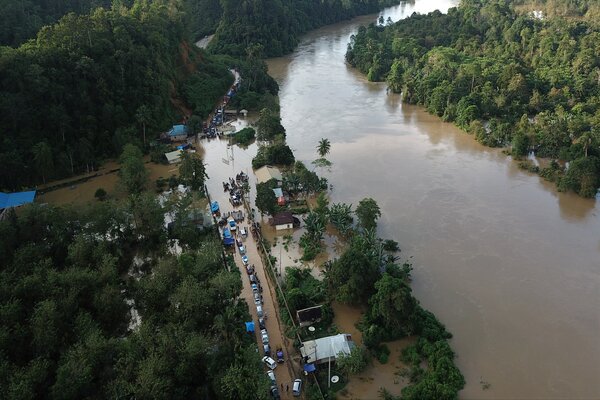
(245, 136)
(100, 194)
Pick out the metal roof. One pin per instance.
(327, 347)
(177, 130)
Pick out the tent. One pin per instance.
(250, 326)
(17, 199)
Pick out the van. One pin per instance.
(297, 388)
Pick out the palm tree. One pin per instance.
(42, 156)
(323, 147)
(587, 140)
(143, 117)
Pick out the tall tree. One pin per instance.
(42, 155)
(143, 116)
(192, 170)
(368, 212)
(133, 172)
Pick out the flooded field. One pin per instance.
(83, 192)
(510, 265)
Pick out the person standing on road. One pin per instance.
(287, 387)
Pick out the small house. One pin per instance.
(266, 173)
(327, 348)
(178, 133)
(279, 196)
(282, 220)
(173, 157)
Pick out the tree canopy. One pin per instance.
(502, 75)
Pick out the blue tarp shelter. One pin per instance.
(17, 199)
(227, 233)
(310, 367)
(228, 241)
(178, 131)
(250, 326)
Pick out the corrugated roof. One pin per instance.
(266, 173)
(324, 348)
(16, 199)
(173, 156)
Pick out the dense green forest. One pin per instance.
(68, 280)
(589, 9)
(507, 78)
(20, 20)
(91, 83)
(275, 25)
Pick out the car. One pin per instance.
(264, 336)
(250, 269)
(257, 299)
(274, 392)
(244, 232)
(296, 387)
(254, 287)
(261, 323)
(260, 312)
(245, 260)
(242, 249)
(279, 353)
(252, 278)
(271, 376)
(267, 349)
(269, 362)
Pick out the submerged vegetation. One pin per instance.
(505, 77)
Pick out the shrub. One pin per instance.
(100, 194)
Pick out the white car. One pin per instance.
(269, 362)
(245, 260)
(257, 299)
(271, 376)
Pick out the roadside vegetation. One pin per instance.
(507, 78)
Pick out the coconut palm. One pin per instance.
(323, 147)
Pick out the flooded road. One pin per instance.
(508, 264)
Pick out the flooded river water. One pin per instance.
(508, 264)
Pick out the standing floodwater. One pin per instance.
(508, 264)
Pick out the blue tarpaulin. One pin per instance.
(309, 368)
(226, 234)
(16, 199)
(250, 326)
(178, 130)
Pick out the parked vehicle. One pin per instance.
(297, 387)
(274, 392)
(260, 312)
(242, 249)
(232, 225)
(261, 323)
(280, 355)
(270, 363)
(271, 376)
(252, 278)
(257, 299)
(267, 349)
(245, 260)
(264, 336)
(243, 232)
(249, 269)
(254, 287)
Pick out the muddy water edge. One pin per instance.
(508, 264)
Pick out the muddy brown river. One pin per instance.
(510, 265)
